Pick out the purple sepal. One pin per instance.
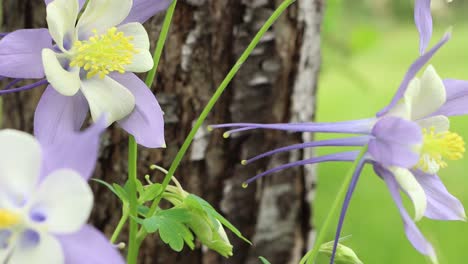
(411, 73)
(89, 245)
(457, 98)
(413, 233)
(423, 21)
(57, 115)
(146, 122)
(393, 141)
(74, 150)
(142, 10)
(441, 205)
(21, 53)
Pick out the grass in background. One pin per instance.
(373, 219)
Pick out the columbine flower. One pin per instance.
(409, 141)
(89, 66)
(45, 200)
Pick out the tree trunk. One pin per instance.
(276, 84)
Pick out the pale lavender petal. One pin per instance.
(393, 142)
(143, 10)
(342, 156)
(146, 122)
(74, 150)
(346, 202)
(412, 71)
(354, 141)
(457, 98)
(412, 231)
(423, 20)
(57, 114)
(363, 126)
(441, 205)
(21, 53)
(91, 245)
(82, 2)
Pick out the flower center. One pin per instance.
(102, 54)
(8, 219)
(437, 147)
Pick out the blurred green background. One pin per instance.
(367, 48)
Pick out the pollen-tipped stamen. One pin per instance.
(103, 54)
(439, 146)
(8, 219)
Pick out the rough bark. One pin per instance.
(276, 84)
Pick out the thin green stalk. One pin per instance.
(120, 226)
(212, 102)
(133, 245)
(133, 242)
(312, 255)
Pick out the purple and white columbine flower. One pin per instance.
(408, 141)
(45, 200)
(88, 63)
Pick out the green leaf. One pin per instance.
(264, 260)
(121, 192)
(116, 189)
(150, 192)
(170, 224)
(213, 213)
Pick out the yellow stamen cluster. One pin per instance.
(105, 53)
(439, 146)
(8, 219)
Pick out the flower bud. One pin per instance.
(344, 254)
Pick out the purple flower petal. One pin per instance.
(57, 114)
(354, 141)
(21, 53)
(441, 205)
(423, 20)
(146, 122)
(412, 232)
(393, 142)
(346, 202)
(91, 245)
(412, 71)
(457, 98)
(363, 126)
(142, 10)
(342, 156)
(74, 150)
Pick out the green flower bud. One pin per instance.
(344, 254)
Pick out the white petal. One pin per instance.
(106, 96)
(65, 82)
(100, 15)
(48, 251)
(61, 19)
(430, 96)
(403, 108)
(65, 199)
(440, 123)
(413, 189)
(20, 164)
(142, 61)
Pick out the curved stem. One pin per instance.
(212, 102)
(120, 226)
(312, 255)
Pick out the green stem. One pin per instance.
(133, 245)
(133, 242)
(219, 91)
(120, 226)
(312, 255)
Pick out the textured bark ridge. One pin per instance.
(276, 84)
